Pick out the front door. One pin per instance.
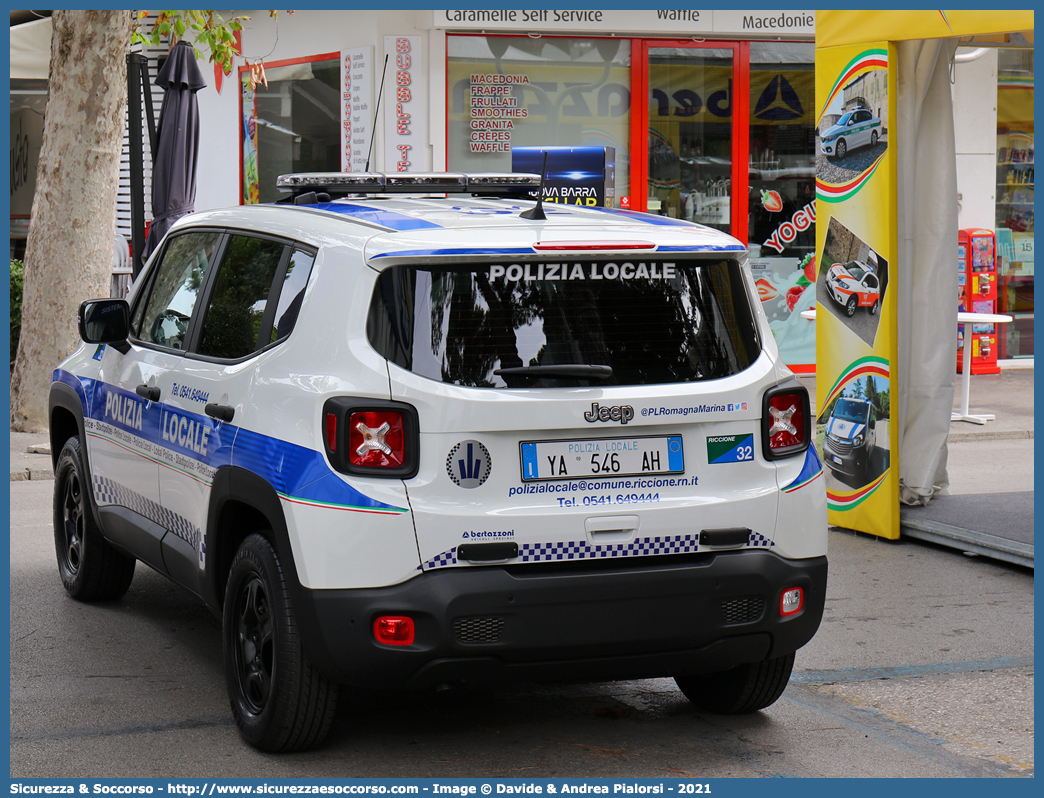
(693, 154)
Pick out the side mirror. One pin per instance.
(105, 321)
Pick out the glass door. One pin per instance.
(694, 153)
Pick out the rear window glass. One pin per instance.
(650, 322)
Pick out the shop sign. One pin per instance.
(356, 106)
(682, 22)
(406, 104)
(788, 231)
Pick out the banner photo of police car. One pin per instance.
(856, 240)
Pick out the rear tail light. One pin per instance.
(394, 630)
(375, 439)
(371, 437)
(786, 422)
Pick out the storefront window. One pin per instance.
(782, 191)
(1015, 199)
(291, 126)
(520, 91)
(690, 134)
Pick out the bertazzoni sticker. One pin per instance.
(730, 448)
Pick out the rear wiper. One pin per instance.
(584, 370)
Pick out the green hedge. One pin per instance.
(17, 272)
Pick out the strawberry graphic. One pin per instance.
(765, 290)
(771, 201)
(793, 295)
(809, 266)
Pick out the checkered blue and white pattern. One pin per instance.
(108, 492)
(582, 550)
(760, 541)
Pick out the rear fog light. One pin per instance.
(792, 600)
(394, 630)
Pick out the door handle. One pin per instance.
(146, 392)
(220, 412)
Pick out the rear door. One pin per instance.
(580, 409)
(251, 308)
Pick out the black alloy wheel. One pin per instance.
(90, 568)
(254, 643)
(280, 701)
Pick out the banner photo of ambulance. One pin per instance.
(852, 433)
(852, 281)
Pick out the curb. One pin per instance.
(1001, 435)
(32, 474)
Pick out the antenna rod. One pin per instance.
(375, 110)
(537, 211)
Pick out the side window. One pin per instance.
(291, 294)
(163, 317)
(232, 326)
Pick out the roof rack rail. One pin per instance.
(513, 184)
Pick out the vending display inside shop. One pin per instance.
(977, 293)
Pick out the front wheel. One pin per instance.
(841, 149)
(850, 306)
(90, 568)
(744, 689)
(280, 701)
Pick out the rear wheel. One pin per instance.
(91, 569)
(874, 307)
(280, 701)
(850, 305)
(873, 139)
(746, 688)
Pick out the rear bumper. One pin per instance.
(647, 619)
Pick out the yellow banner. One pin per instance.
(856, 245)
(835, 28)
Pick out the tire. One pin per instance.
(744, 689)
(841, 150)
(90, 568)
(280, 701)
(851, 305)
(874, 307)
(873, 139)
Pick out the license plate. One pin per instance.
(838, 460)
(602, 457)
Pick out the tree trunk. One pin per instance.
(68, 254)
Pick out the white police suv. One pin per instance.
(405, 441)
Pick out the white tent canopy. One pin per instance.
(31, 50)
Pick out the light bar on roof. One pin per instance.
(345, 181)
(427, 181)
(409, 182)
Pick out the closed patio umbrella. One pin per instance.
(177, 143)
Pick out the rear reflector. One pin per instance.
(792, 600)
(394, 630)
(331, 431)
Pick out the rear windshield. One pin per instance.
(650, 322)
